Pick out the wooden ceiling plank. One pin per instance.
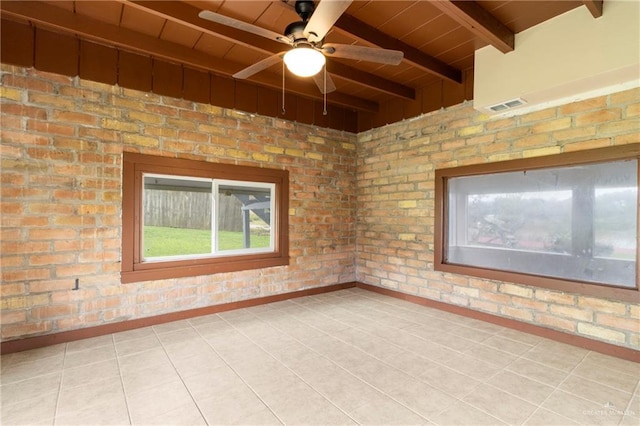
(134, 19)
(59, 19)
(188, 15)
(594, 6)
(365, 32)
(372, 81)
(480, 22)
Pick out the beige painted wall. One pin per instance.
(570, 57)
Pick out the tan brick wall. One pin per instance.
(61, 148)
(395, 220)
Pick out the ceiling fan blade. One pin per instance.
(362, 53)
(258, 66)
(319, 80)
(244, 26)
(323, 18)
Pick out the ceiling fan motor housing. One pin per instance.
(304, 9)
(295, 31)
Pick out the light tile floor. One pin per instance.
(347, 357)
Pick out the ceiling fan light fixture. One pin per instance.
(304, 61)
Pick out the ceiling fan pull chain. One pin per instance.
(324, 92)
(283, 71)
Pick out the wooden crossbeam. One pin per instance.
(480, 22)
(594, 6)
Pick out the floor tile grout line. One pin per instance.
(628, 407)
(60, 384)
(521, 356)
(237, 374)
(613, 371)
(557, 388)
(484, 381)
(458, 399)
(505, 368)
(461, 399)
(124, 389)
(572, 373)
(362, 380)
(466, 326)
(518, 357)
(291, 370)
(448, 332)
(603, 384)
(416, 353)
(164, 349)
(412, 351)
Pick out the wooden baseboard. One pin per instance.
(100, 330)
(559, 336)
(84, 333)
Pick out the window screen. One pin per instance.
(576, 223)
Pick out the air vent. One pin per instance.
(507, 105)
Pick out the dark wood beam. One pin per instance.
(366, 32)
(594, 6)
(480, 22)
(48, 16)
(185, 14)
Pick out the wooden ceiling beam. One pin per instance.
(52, 17)
(473, 17)
(366, 32)
(188, 15)
(594, 6)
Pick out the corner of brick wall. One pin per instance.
(395, 222)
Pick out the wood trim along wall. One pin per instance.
(84, 333)
(135, 269)
(559, 336)
(100, 330)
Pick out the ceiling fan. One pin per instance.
(306, 37)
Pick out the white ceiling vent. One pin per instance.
(504, 106)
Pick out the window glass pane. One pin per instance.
(177, 216)
(533, 221)
(576, 222)
(615, 222)
(244, 214)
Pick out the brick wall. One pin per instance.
(62, 140)
(395, 219)
(61, 146)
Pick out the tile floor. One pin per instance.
(347, 357)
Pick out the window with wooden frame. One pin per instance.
(185, 218)
(567, 222)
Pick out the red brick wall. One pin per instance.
(62, 141)
(395, 221)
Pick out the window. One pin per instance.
(186, 218)
(568, 222)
